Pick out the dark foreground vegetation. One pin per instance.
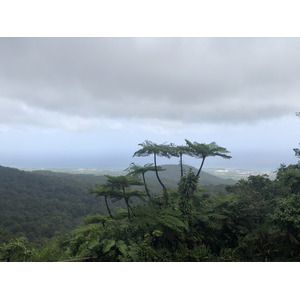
(256, 220)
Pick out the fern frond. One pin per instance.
(93, 243)
(122, 247)
(107, 245)
(172, 221)
(86, 229)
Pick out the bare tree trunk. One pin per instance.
(201, 166)
(146, 188)
(126, 201)
(181, 168)
(130, 207)
(105, 198)
(165, 194)
(156, 172)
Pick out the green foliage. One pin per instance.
(107, 190)
(119, 183)
(38, 205)
(286, 214)
(17, 249)
(187, 188)
(134, 169)
(201, 150)
(188, 185)
(5, 235)
(149, 148)
(257, 221)
(288, 178)
(57, 249)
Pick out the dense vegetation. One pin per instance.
(257, 220)
(41, 204)
(38, 205)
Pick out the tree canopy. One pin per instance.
(201, 150)
(163, 150)
(136, 170)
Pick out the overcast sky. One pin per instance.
(88, 102)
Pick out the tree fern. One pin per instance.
(172, 219)
(86, 229)
(149, 148)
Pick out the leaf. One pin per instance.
(121, 245)
(86, 228)
(108, 245)
(93, 243)
(157, 233)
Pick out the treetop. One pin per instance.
(148, 148)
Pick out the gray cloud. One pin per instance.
(181, 79)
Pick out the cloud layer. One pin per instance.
(48, 81)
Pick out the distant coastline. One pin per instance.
(224, 173)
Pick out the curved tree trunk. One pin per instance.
(126, 201)
(105, 198)
(128, 211)
(146, 188)
(130, 207)
(156, 172)
(201, 166)
(165, 194)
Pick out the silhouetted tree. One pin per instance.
(162, 150)
(205, 150)
(181, 150)
(139, 170)
(122, 182)
(106, 191)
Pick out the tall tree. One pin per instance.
(205, 150)
(122, 182)
(181, 150)
(105, 190)
(136, 170)
(163, 150)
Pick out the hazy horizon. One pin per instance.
(189, 162)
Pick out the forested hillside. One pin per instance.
(171, 177)
(39, 204)
(256, 220)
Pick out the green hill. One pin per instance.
(171, 177)
(39, 204)
(173, 173)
